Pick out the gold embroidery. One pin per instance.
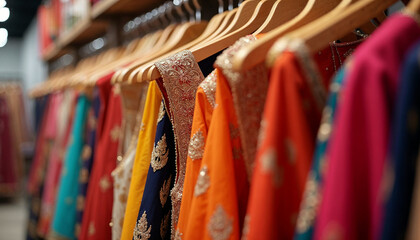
(290, 150)
(80, 203)
(220, 225)
(203, 182)
(122, 198)
(164, 225)
(142, 127)
(209, 87)
(91, 229)
(196, 147)
(310, 203)
(181, 76)
(160, 154)
(248, 97)
(245, 230)
(178, 235)
(84, 176)
(104, 183)
(164, 191)
(86, 153)
(161, 111)
(324, 132)
(141, 232)
(269, 165)
(115, 133)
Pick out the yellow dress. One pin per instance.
(142, 160)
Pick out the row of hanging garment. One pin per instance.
(14, 134)
(153, 141)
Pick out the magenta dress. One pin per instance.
(355, 181)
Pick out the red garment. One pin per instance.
(8, 164)
(99, 198)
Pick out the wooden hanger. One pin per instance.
(414, 6)
(256, 52)
(339, 22)
(215, 24)
(187, 33)
(282, 11)
(251, 14)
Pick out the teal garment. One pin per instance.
(309, 207)
(64, 220)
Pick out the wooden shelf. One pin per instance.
(83, 32)
(106, 8)
(54, 52)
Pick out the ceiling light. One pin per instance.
(3, 37)
(2, 3)
(4, 14)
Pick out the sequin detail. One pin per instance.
(159, 154)
(310, 203)
(164, 191)
(209, 87)
(181, 76)
(196, 147)
(203, 182)
(249, 90)
(220, 225)
(178, 235)
(141, 231)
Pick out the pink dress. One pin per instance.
(355, 183)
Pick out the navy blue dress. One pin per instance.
(154, 218)
(404, 146)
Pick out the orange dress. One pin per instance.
(203, 111)
(291, 117)
(141, 164)
(221, 190)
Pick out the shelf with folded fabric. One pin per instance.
(106, 8)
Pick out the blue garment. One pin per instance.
(64, 219)
(154, 218)
(87, 157)
(404, 146)
(308, 211)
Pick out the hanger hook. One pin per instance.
(162, 15)
(168, 12)
(179, 10)
(221, 6)
(197, 10)
(189, 9)
(230, 7)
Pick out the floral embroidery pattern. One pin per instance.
(220, 225)
(161, 112)
(181, 76)
(203, 182)
(164, 225)
(115, 133)
(141, 232)
(104, 183)
(269, 165)
(164, 191)
(196, 147)
(310, 203)
(160, 154)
